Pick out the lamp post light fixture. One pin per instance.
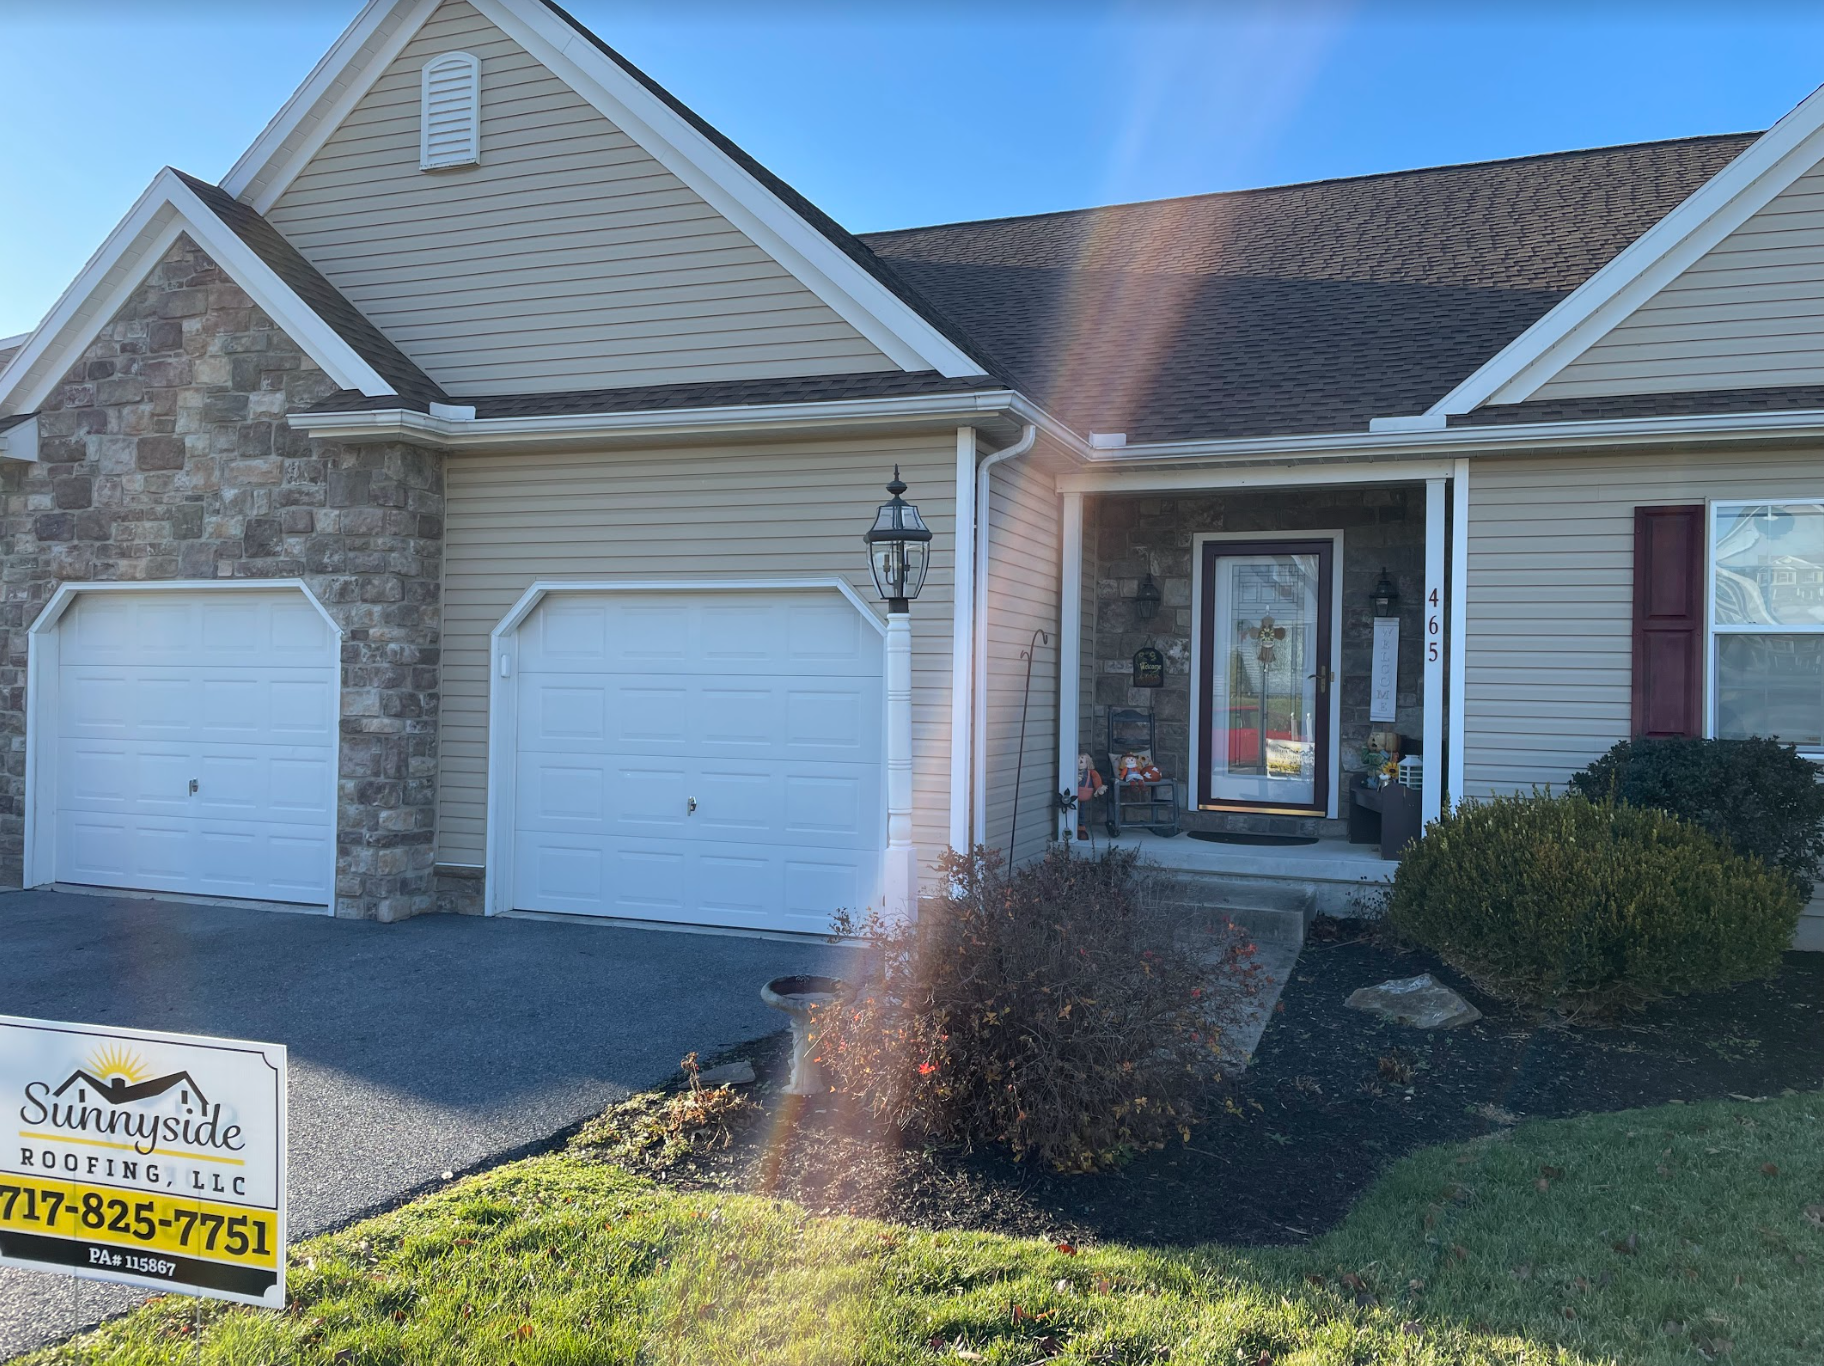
(899, 553)
(899, 549)
(1386, 597)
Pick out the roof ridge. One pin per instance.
(1308, 184)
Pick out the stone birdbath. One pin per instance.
(798, 997)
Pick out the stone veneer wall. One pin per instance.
(164, 454)
(1129, 536)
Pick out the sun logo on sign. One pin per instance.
(114, 1061)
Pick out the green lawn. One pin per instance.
(1680, 1234)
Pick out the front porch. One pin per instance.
(1272, 891)
(1236, 612)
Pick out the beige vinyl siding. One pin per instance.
(1748, 313)
(747, 512)
(1024, 544)
(568, 259)
(1548, 672)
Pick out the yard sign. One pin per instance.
(153, 1159)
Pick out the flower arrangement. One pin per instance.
(1382, 769)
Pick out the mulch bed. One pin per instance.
(1332, 1098)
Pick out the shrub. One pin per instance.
(1052, 1010)
(1590, 905)
(1758, 795)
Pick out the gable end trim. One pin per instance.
(870, 305)
(169, 208)
(1648, 264)
(857, 297)
(329, 93)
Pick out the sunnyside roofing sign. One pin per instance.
(153, 1159)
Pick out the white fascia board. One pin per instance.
(1388, 456)
(8, 343)
(427, 429)
(20, 441)
(167, 209)
(856, 296)
(1647, 265)
(317, 107)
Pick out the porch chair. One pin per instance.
(1152, 804)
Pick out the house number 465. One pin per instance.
(1433, 629)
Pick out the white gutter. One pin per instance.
(978, 685)
(1469, 440)
(457, 433)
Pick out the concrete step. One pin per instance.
(1272, 912)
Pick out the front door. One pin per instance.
(1265, 664)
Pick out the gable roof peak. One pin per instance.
(824, 257)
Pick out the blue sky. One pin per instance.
(890, 115)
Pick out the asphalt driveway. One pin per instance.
(417, 1048)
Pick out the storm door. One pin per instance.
(1265, 676)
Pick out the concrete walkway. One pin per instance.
(432, 1045)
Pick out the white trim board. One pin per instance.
(168, 208)
(503, 698)
(1457, 629)
(375, 39)
(1198, 541)
(41, 664)
(1652, 261)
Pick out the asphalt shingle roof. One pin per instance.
(1299, 309)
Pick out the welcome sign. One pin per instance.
(153, 1159)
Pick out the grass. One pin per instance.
(1673, 1235)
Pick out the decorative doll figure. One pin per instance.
(1089, 785)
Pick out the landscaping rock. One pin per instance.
(737, 1073)
(1422, 1002)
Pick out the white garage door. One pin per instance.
(707, 758)
(195, 744)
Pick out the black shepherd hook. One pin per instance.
(1019, 767)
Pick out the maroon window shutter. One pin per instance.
(1668, 621)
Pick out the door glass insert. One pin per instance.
(1267, 678)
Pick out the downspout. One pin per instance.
(979, 663)
(962, 643)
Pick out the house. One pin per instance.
(460, 504)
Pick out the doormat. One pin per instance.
(1247, 837)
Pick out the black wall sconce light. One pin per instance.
(1146, 598)
(1386, 597)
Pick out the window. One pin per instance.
(451, 129)
(1767, 621)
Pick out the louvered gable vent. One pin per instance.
(452, 111)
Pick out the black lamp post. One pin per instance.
(899, 553)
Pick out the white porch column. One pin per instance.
(1432, 634)
(1459, 624)
(1070, 652)
(901, 872)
